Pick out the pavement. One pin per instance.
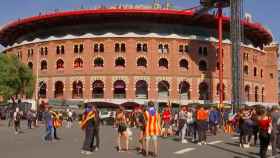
(29, 144)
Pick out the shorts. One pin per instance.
(154, 138)
(122, 128)
(166, 125)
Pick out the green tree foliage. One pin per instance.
(16, 79)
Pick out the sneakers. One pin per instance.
(86, 152)
(184, 141)
(199, 143)
(96, 149)
(204, 143)
(193, 140)
(246, 145)
(269, 147)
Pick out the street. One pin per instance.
(29, 144)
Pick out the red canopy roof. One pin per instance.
(12, 31)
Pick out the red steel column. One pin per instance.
(221, 87)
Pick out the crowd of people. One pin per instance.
(255, 125)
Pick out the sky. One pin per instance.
(266, 12)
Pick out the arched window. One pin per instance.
(117, 47)
(263, 94)
(181, 48)
(46, 50)
(255, 71)
(30, 65)
(145, 47)
(163, 63)
(123, 48)
(246, 70)
(95, 48)
(120, 62)
(62, 50)
(160, 48)
(256, 94)
(44, 65)
(77, 92)
(101, 47)
(97, 89)
(57, 50)
(139, 47)
(184, 90)
(202, 65)
(142, 62)
(59, 89)
(184, 64)
(119, 89)
(205, 52)
(42, 90)
(200, 51)
(163, 89)
(98, 62)
(141, 90)
(203, 91)
(247, 93)
(223, 91)
(59, 64)
(78, 63)
(166, 48)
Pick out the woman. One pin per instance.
(183, 124)
(265, 131)
(166, 121)
(140, 120)
(121, 124)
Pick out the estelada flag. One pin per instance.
(86, 117)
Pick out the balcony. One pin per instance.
(119, 96)
(98, 96)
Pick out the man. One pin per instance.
(214, 119)
(152, 127)
(202, 117)
(48, 123)
(87, 124)
(96, 136)
(16, 118)
(275, 115)
(69, 118)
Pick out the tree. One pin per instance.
(16, 78)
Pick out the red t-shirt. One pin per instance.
(166, 116)
(264, 124)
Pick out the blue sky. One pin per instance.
(264, 11)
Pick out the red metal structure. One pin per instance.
(206, 5)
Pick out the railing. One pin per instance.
(119, 96)
(98, 96)
(76, 96)
(141, 96)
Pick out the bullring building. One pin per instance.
(122, 55)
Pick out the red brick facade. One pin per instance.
(260, 87)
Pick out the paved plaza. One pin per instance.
(29, 144)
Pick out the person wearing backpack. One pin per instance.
(275, 116)
(16, 118)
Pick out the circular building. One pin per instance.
(135, 55)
